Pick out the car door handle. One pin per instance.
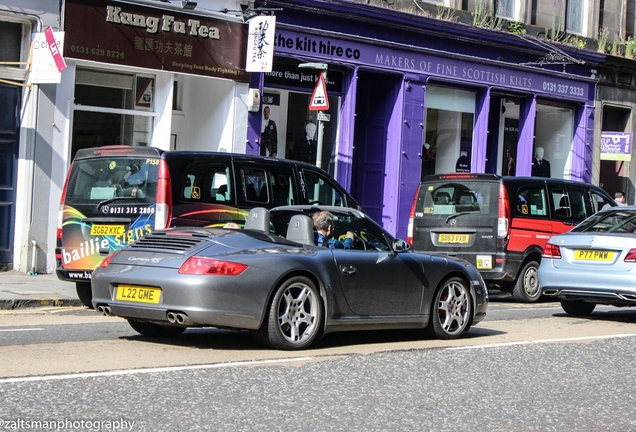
(348, 269)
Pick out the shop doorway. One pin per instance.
(614, 175)
(376, 98)
(9, 127)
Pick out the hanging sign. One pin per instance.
(319, 100)
(47, 61)
(260, 44)
(55, 50)
(616, 146)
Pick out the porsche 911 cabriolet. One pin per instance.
(269, 277)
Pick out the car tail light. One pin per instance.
(60, 212)
(164, 197)
(106, 261)
(631, 256)
(551, 251)
(201, 266)
(503, 215)
(409, 231)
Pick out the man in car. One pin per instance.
(323, 224)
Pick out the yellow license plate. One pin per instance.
(114, 230)
(140, 294)
(593, 255)
(453, 238)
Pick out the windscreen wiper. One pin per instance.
(453, 216)
(110, 200)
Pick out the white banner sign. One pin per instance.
(44, 70)
(260, 44)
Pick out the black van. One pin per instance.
(113, 195)
(499, 224)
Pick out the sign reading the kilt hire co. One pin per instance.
(422, 63)
(135, 35)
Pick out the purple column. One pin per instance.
(527, 116)
(347, 125)
(582, 145)
(480, 134)
(410, 168)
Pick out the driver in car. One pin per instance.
(323, 222)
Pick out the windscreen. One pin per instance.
(447, 198)
(124, 180)
(616, 221)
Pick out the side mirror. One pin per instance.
(400, 245)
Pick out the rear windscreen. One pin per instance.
(124, 180)
(446, 198)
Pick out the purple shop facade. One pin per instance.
(417, 68)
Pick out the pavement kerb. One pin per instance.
(35, 303)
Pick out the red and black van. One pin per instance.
(114, 195)
(499, 224)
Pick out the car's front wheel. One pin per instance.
(295, 314)
(85, 293)
(451, 310)
(155, 330)
(577, 308)
(527, 288)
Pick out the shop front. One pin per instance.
(398, 112)
(153, 76)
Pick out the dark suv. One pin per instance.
(499, 224)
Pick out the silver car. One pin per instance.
(594, 263)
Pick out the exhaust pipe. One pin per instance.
(551, 292)
(104, 310)
(179, 318)
(183, 319)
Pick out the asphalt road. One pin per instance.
(527, 367)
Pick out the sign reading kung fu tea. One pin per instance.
(133, 35)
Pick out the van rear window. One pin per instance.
(445, 198)
(134, 180)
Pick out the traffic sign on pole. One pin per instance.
(319, 100)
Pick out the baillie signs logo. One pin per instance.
(166, 23)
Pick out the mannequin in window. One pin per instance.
(540, 166)
(305, 149)
(511, 166)
(269, 135)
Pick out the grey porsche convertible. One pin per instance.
(270, 278)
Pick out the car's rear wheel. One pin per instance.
(295, 314)
(527, 288)
(155, 330)
(85, 293)
(577, 308)
(451, 310)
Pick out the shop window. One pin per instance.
(509, 136)
(11, 37)
(112, 108)
(303, 135)
(448, 137)
(575, 16)
(553, 133)
(507, 9)
(615, 119)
